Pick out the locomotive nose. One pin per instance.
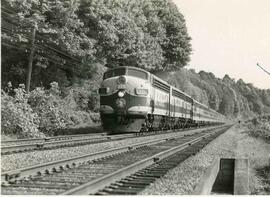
(120, 103)
(121, 83)
(121, 93)
(122, 80)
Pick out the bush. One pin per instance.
(78, 100)
(45, 111)
(57, 112)
(50, 108)
(17, 116)
(260, 127)
(95, 117)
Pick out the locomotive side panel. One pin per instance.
(161, 102)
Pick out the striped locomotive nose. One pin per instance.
(122, 101)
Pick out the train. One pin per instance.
(135, 100)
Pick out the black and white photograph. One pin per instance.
(135, 97)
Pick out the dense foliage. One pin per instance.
(260, 127)
(148, 34)
(227, 96)
(72, 37)
(17, 117)
(45, 112)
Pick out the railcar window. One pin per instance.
(114, 73)
(137, 73)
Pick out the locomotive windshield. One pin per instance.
(114, 73)
(125, 71)
(137, 73)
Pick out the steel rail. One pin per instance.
(47, 139)
(71, 162)
(68, 163)
(59, 143)
(95, 185)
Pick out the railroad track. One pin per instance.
(125, 170)
(58, 142)
(24, 145)
(47, 139)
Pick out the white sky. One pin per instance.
(229, 37)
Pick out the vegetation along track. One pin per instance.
(133, 167)
(24, 145)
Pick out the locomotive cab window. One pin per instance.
(137, 73)
(114, 73)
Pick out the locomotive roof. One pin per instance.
(127, 67)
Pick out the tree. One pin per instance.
(147, 34)
(60, 40)
(71, 36)
(176, 47)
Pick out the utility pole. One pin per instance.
(31, 57)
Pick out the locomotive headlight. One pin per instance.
(120, 102)
(141, 91)
(121, 93)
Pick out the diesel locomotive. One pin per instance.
(134, 100)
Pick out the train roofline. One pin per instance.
(128, 67)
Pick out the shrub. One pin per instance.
(58, 112)
(260, 127)
(50, 109)
(45, 111)
(17, 116)
(95, 117)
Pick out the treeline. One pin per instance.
(235, 99)
(69, 38)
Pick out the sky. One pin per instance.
(229, 37)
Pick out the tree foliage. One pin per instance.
(61, 45)
(227, 96)
(72, 36)
(147, 34)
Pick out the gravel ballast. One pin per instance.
(182, 180)
(21, 160)
(235, 143)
